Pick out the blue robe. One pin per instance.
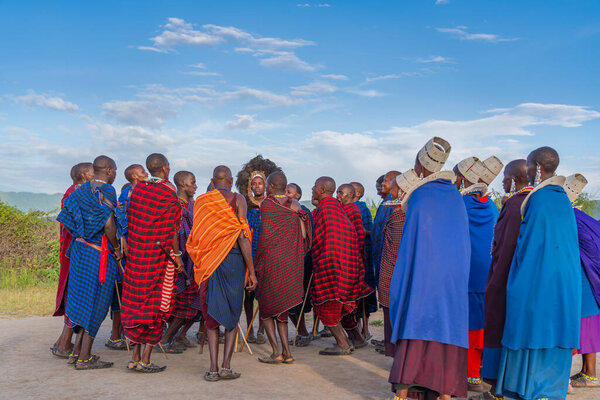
(85, 214)
(543, 300)
(253, 217)
(429, 288)
(367, 220)
(482, 218)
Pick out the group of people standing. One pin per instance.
(473, 298)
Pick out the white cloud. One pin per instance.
(366, 93)
(242, 121)
(337, 77)
(382, 77)
(279, 52)
(44, 100)
(202, 73)
(438, 2)
(142, 113)
(461, 33)
(287, 61)
(435, 59)
(313, 89)
(303, 5)
(308, 5)
(198, 65)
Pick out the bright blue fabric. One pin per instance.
(367, 220)
(429, 288)
(543, 299)
(482, 218)
(84, 214)
(253, 217)
(121, 212)
(534, 374)
(225, 292)
(381, 217)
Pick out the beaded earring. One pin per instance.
(538, 175)
(513, 186)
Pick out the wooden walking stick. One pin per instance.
(241, 333)
(315, 326)
(302, 309)
(237, 335)
(249, 327)
(364, 316)
(163, 350)
(119, 297)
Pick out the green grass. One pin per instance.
(377, 322)
(24, 302)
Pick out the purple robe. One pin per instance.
(506, 234)
(589, 247)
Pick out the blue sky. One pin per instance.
(343, 88)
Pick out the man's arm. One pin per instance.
(177, 258)
(245, 245)
(110, 231)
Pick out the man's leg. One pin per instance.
(248, 310)
(282, 328)
(85, 359)
(228, 348)
(146, 354)
(269, 325)
(340, 336)
(78, 340)
(213, 348)
(63, 343)
(174, 326)
(116, 326)
(137, 353)
(182, 335)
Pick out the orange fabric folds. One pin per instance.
(215, 231)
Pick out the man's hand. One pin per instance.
(251, 282)
(118, 254)
(124, 245)
(178, 264)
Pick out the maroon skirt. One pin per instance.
(429, 368)
(390, 348)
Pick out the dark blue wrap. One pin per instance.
(482, 218)
(429, 288)
(381, 217)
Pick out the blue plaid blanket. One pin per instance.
(253, 217)
(84, 213)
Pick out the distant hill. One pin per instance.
(308, 204)
(26, 201)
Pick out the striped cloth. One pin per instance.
(187, 300)
(383, 213)
(337, 268)
(392, 233)
(84, 213)
(154, 214)
(63, 275)
(215, 231)
(280, 255)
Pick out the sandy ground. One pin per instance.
(31, 372)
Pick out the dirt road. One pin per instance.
(31, 372)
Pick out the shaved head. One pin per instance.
(83, 172)
(546, 157)
(293, 190)
(130, 171)
(386, 185)
(180, 176)
(515, 171)
(359, 190)
(155, 163)
(105, 169)
(74, 173)
(276, 183)
(345, 193)
(222, 178)
(327, 184)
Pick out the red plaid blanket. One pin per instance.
(154, 214)
(392, 233)
(279, 261)
(354, 215)
(337, 267)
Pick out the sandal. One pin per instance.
(199, 336)
(92, 363)
(73, 358)
(335, 350)
(59, 353)
(212, 376)
(301, 341)
(171, 348)
(270, 360)
(288, 360)
(376, 342)
(118, 344)
(149, 368)
(131, 365)
(359, 345)
(227, 373)
(251, 338)
(185, 342)
(583, 380)
(325, 333)
(260, 338)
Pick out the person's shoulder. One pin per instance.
(295, 205)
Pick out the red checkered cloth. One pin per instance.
(63, 275)
(333, 312)
(279, 261)
(337, 267)
(354, 215)
(392, 233)
(182, 303)
(154, 214)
